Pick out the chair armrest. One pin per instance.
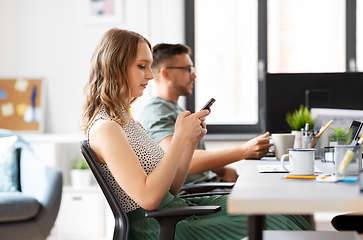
(190, 195)
(205, 187)
(182, 211)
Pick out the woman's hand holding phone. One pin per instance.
(193, 126)
(189, 126)
(207, 107)
(202, 119)
(208, 104)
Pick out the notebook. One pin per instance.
(278, 169)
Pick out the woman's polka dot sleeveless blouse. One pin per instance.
(147, 151)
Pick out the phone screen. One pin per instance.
(353, 132)
(208, 104)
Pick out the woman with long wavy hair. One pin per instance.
(143, 176)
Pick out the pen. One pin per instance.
(301, 176)
(309, 176)
(306, 129)
(312, 143)
(33, 98)
(324, 128)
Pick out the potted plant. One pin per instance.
(297, 121)
(337, 136)
(80, 173)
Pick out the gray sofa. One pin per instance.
(30, 213)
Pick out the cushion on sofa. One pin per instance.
(9, 167)
(15, 206)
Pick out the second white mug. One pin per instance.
(282, 142)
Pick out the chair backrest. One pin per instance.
(122, 225)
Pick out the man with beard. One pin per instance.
(174, 75)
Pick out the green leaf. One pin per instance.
(299, 118)
(337, 135)
(80, 163)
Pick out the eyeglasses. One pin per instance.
(190, 69)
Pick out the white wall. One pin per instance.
(50, 39)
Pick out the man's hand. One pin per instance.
(256, 148)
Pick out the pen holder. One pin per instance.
(316, 144)
(306, 140)
(327, 154)
(347, 160)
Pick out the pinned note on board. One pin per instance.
(21, 109)
(21, 85)
(7, 109)
(3, 94)
(32, 114)
(21, 105)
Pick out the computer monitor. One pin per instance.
(342, 118)
(285, 92)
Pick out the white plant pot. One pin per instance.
(81, 178)
(298, 138)
(332, 144)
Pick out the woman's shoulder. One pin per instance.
(104, 135)
(105, 131)
(105, 127)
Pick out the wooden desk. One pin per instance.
(256, 194)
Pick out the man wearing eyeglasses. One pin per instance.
(175, 75)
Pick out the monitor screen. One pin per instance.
(285, 92)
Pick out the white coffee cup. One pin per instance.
(282, 142)
(301, 161)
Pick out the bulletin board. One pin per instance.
(21, 106)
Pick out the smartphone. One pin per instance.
(353, 132)
(208, 104)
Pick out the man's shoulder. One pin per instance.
(156, 101)
(158, 118)
(157, 105)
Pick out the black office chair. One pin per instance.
(347, 222)
(167, 218)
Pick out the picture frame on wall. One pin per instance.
(103, 11)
